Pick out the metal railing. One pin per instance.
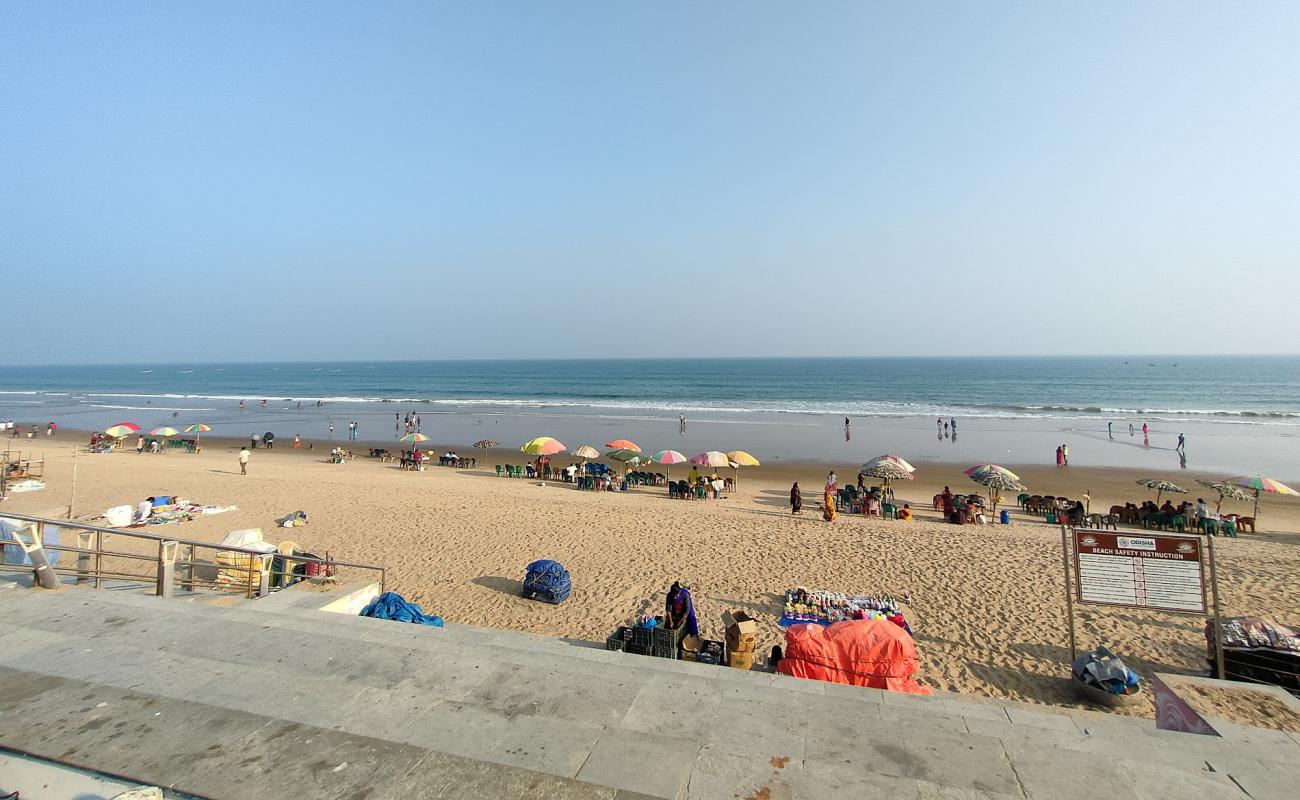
(166, 561)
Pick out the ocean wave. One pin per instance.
(754, 409)
(146, 408)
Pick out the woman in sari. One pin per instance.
(679, 610)
(796, 499)
(828, 505)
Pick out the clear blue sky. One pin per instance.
(269, 180)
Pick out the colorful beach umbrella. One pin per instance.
(1258, 483)
(740, 458)
(198, 429)
(122, 429)
(667, 458)
(886, 469)
(542, 446)
(1161, 486)
(623, 444)
(413, 438)
(711, 458)
(586, 451)
(626, 456)
(484, 444)
(1225, 491)
(163, 432)
(996, 482)
(985, 469)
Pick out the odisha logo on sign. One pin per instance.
(1184, 547)
(1089, 541)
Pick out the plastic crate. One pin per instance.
(658, 641)
(711, 652)
(619, 639)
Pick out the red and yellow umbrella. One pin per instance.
(623, 444)
(542, 446)
(1258, 484)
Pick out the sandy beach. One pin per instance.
(986, 603)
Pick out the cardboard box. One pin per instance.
(741, 660)
(742, 632)
(691, 648)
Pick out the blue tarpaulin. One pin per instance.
(547, 581)
(391, 605)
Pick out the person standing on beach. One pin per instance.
(1060, 458)
(397, 423)
(681, 424)
(242, 405)
(331, 430)
(847, 434)
(1110, 429)
(243, 461)
(139, 445)
(1065, 454)
(1182, 442)
(796, 499)
(1130, 429)
(297, 442)
(1145, 430)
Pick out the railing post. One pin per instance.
(84, 568)
(187, 570)
(264, 562)
(166, 568)
(30, 538)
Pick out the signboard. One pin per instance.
(1140, 571)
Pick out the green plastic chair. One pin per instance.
(1229, 528)
(1178, 522)
(888, 511)
(498, 470)
(1210, 527)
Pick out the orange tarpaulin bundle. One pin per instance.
(860, 652)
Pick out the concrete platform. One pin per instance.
(263, 699)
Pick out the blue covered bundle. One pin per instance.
(547, 581)
(391, 605)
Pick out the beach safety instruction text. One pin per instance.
(1158, 572)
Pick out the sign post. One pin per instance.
(1158, 572)
(1069, 597)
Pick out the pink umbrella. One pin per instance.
(712, 458)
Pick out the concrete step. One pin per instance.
(661, 728)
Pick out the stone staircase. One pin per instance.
(274, 697)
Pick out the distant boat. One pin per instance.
(146, 370)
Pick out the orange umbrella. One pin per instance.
(623, 444)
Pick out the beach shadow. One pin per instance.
(497, 583)
(772, 603)
(224, 471)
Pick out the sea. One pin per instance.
(1237, 413)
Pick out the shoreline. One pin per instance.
(1104, 486)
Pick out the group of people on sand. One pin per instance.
(829, 493)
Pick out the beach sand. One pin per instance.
(986, 603)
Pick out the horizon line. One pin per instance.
(578, 359)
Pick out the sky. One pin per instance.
(267, 180)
